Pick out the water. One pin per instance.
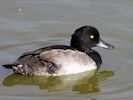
(47, 22)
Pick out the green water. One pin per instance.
(47, 22)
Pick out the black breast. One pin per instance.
(95, 56)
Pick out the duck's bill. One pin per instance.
(105, 45)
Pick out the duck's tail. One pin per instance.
(9, 66)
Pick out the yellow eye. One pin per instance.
(91, 36)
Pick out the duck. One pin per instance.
(58, 60)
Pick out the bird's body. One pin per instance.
(60, 59)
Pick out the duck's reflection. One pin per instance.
(80, 83)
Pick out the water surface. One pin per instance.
(47, 22)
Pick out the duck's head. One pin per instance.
(86, 37)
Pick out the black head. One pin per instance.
(86, 37)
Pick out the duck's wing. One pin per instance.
(31, 62)
(32, 65)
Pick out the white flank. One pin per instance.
(69, 61)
